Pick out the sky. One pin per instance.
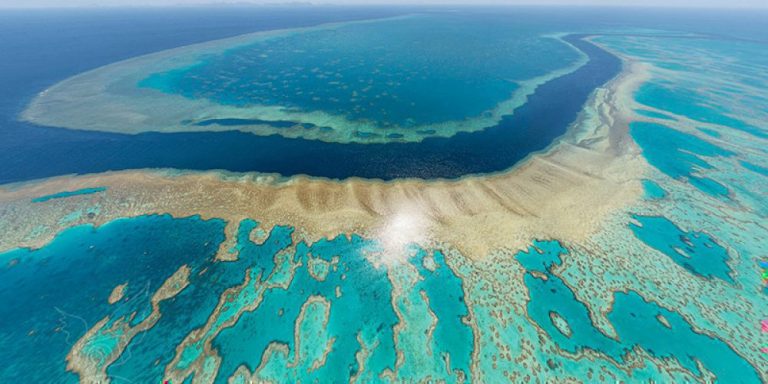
(666, 3)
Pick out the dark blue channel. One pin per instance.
(44, 47)
(49, 46)
(532, 127)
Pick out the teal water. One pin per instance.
(719, 84)
(636, 321)
(406, 152)
(266, 289)
(551, 296)
(135, 251)
(363, 287)
(406, 72)
(359, 297)
(664, 96)
(754, 168)
(445, 290)
(637, 324)
(192, 308)
(321, 302)
(653, 191)
(679, 155)
(653, 114)
(710, 132)
(41, 318)
(695, 251)
(435, 313)
(61, 195)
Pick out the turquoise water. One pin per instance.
(661, 96)
(710, 132)
(552, 296)
(363, 287)
(653, 114)
(405, 72)
(266, 289)
(754, 168)
(304, 312)
(61, 195)
(637, 324)
(636, 321)
(359, 298)
(192, 308)
(436, 291)
(710, 78)
(692, 106)
(653, 191)
(41, 318)
(679, 155)
(695, 251)
(445, 291)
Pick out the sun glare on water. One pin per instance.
(399, 232)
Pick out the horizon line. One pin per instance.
(299, 4)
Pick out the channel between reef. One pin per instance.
(565, 191)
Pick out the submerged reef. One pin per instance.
(273, 307)
(399, 79)
(331, 310)
(632, 250)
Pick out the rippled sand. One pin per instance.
(565, 193)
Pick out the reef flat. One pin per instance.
(630, 250)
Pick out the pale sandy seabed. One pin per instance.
(578, 192)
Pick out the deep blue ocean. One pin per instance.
(42, 47)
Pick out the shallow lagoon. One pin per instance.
(291, 308)
(399, 75)
(277, 282)
(637, 323)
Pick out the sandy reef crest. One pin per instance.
(563, 193)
